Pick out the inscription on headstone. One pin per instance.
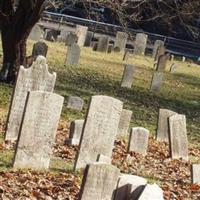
(128, 74)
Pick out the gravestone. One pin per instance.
(75, 103)
(94, 46)
(71, 39)
(76, 128)
(162, 62)
(124, 122)
(88, 39)
(34, 78)
(138, 141)
(81, 32)
(121, 40)
(99, 182)
(73, 55)
(104, 159)
(126, 55)
(36, 33)
(51, 35)
(111, 48)
(196, 174)
(162, 128)
(38, 130)
(39, 49)
(100, 129)
(160, 51)
(103, 43)
(157, 44)
(128, 74)
(173, 68)
(157, 81)
(140, 43)
(178, 137)
(183, 59)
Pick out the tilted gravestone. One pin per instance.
(160, 51)
(196, 174)
(121, 40)
(138, 141)
(157, 44)
(75, 103)
(128, 74)
(39, 49)
(71, 39)
(38, 130)
(157, 81)
(100, 129)
(140, 43)
(162, 62)
(99, 182)
(34, 78)
(103, 43)
(76, 128)
(163, 128)
(36, 33)
(124, 122)
(173, 68)
(73, 55)
(81, 32)
(178, 137)
(88, 39)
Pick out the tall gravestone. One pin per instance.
(157, 81)
(140, 43)
(103, 43)
(81, 32)
(34, 78)
(178, 137)
(38, 130)
(71, 39)
(36, 33)
(121, 40)
(39, 49)
(157, 44)
(100, 129)
(162, 127)
(73, 55)
(99, 182)
(88, 39)
(162, 62)
(127, 79)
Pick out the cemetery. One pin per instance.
(90, 119)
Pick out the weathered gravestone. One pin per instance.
(163, 128)
(138, 141)
(71, 39)
(126, 55)
(38, 130)
(121, 40)
(36, 33)
(75, 103)
(34, 78)
(140, 43)
(73, 55)
(160, 51)
(63, 36)
(157, 44)
(157, 81)
(128, 74)
(100, 129)
(173, 68)
(81, 32)
(88, 39)
(103, 43)
(104, 159)
(162, 62)
(124, 122)
(39, 49)
(178, 137)
(99, 182)
(196, 174)
(76, 128)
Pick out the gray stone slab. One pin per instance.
(88, 39)
(75, 103)
(125, 119)
(73, 55)
(39, 49)
(157, 81)
(121, 40)
(100, 129)
(36, 33)
(128, 74)
(34, 78)
(99, 182)
(157, 44)
(140, 43)
(178, 137)
(38, 130)
(138, 141)
(71, 39)
(163, 127)
(81, 32)
(103, 43)
(104, 159)
(196, 174)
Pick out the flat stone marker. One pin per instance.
(81, 32)
(88, 39)
(196, 174)
(163, 127)
(138, 141)
(121, 40)
(173, 68)
(37, 134)
(34, 78)
(71, 39)
(124, 122)
(178, 137)
(162, 62)
(39, 49)
(75, 103)
(157, 81)
(76, 128)
(140, 43)
(127, 79)
(99, 182)
(103, 43)
(73, 55)
(36, 33)
(160, 51)
(100, 129)
(104, 159)
(157, 44)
